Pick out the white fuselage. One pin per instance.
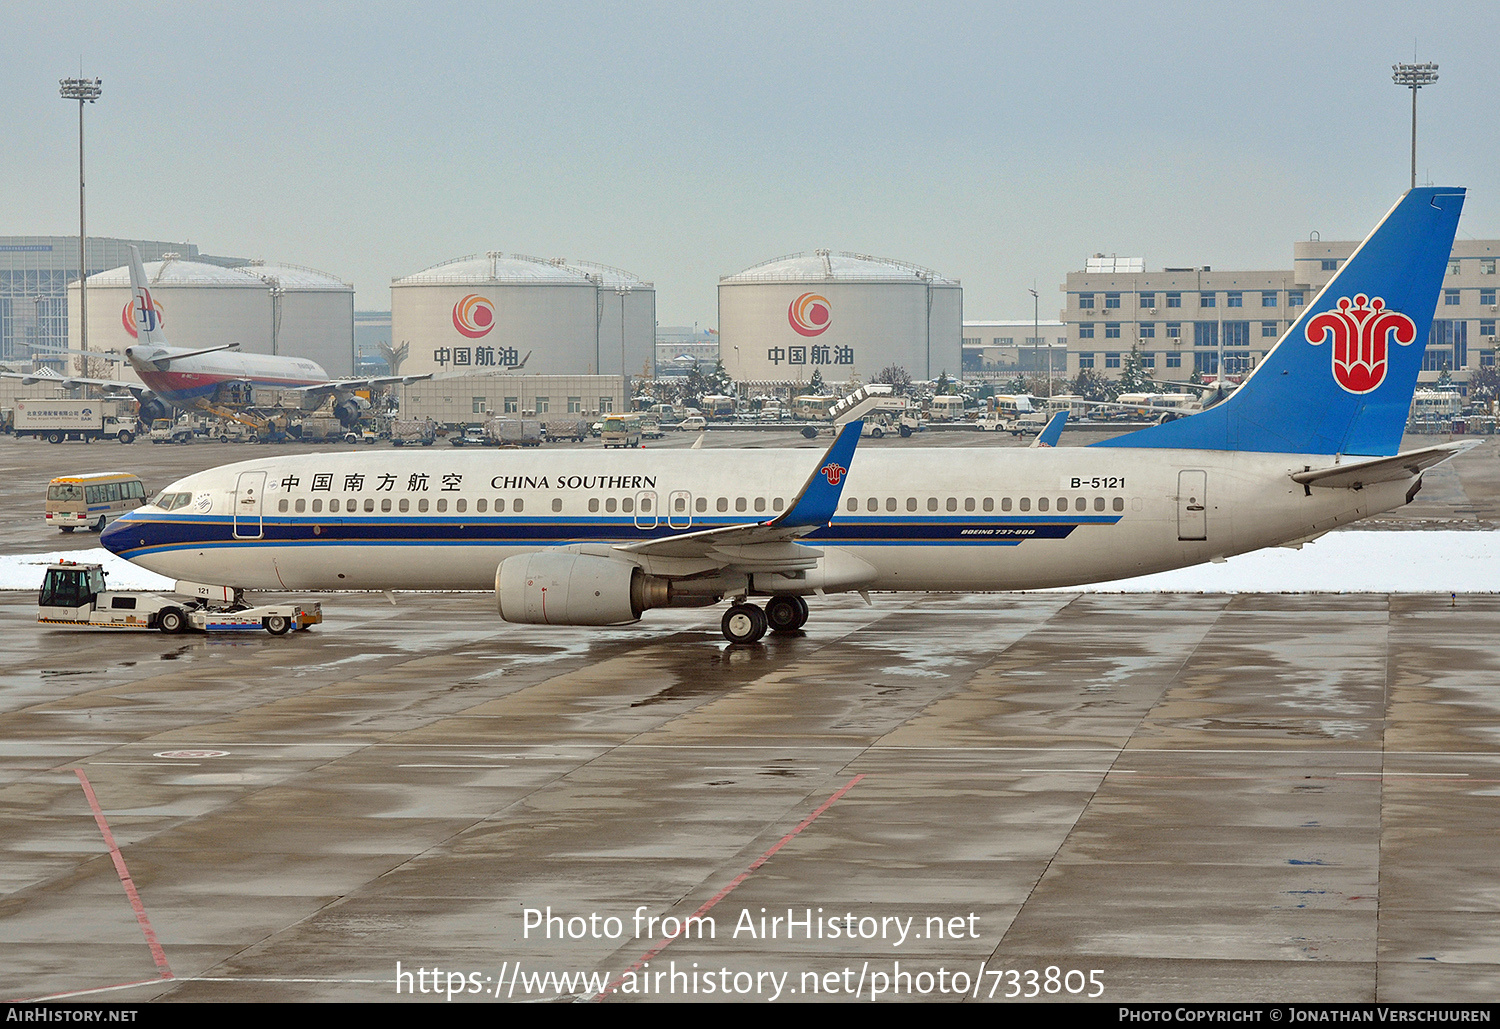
(952, 519)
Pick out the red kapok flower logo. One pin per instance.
(1361, 332)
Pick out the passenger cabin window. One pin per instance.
(556, 504)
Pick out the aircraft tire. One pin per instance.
(171, 621)
(276, 625)
(743, 623)
(786, 613)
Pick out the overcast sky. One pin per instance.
(998, 144)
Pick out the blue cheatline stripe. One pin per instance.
(157, 535)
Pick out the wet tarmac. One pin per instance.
(1161, 797)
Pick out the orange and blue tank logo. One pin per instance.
(810, 314)
(474, 316)
(141, 310)
(1361, 332)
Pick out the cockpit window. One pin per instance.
(172, 501)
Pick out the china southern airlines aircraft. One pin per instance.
(200, 379)
(1309, 442)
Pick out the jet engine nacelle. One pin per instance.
(350, 409)
(550, 588)
(153, 409)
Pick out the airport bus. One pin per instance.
(621, 430)
(92, 501)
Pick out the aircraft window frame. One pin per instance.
(593, 505)
(1082, 504)
(968, 503)
(481, 505)
(301, 505)
(1005, 504)
(911, 503)
(1062, 503)
(333, 505)
(700, 505)
(556, 505)
(611, 505)
(518, 506)
(741, 505)
(1043, 504)
(404, 505)
(777, 504)
(989, 504)
(890, 503)
(442, 505)
(385, 505)
(421, 505)
(760, 505)
(932, 504)
(460, 505)
(722, 504)
(317, 505)
(284, 506)
(369, 505)
(952, 504)
(627, 505)
(1119, 504)
(1098, 503)
(872, 504)
(1025, 504)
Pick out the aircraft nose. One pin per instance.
(117, 535)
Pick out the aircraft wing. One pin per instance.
(47, 375)
(350, 385)
(770, 545)
(1360, 474)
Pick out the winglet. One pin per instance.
(1052, 431)
(819, 498)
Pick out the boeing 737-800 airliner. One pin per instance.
(1308, 443)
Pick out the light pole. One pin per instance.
(1414, 77)
(622, 293)
(1036, 336)
(84, 92)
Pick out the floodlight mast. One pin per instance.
(1414, 77)
(84, 91)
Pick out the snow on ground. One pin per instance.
(1341, 562)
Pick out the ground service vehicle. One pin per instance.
(621, 430)
(58, 420)
(92, 501)
(74, 595)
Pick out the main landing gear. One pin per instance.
(746, 623)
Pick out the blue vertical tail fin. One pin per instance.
(1341, 380)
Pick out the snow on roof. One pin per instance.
(836, 265)
(521, 268)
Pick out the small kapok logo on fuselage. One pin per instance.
(833, 472)
(1361, 332)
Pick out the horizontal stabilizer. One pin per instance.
(1386, 469)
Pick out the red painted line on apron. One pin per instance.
(728, 889)
(124, 873)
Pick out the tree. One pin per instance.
(1090, 385)
(816, 382)
(1133, 377)
(895, 376)
(1484, 387)
(945, 386)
